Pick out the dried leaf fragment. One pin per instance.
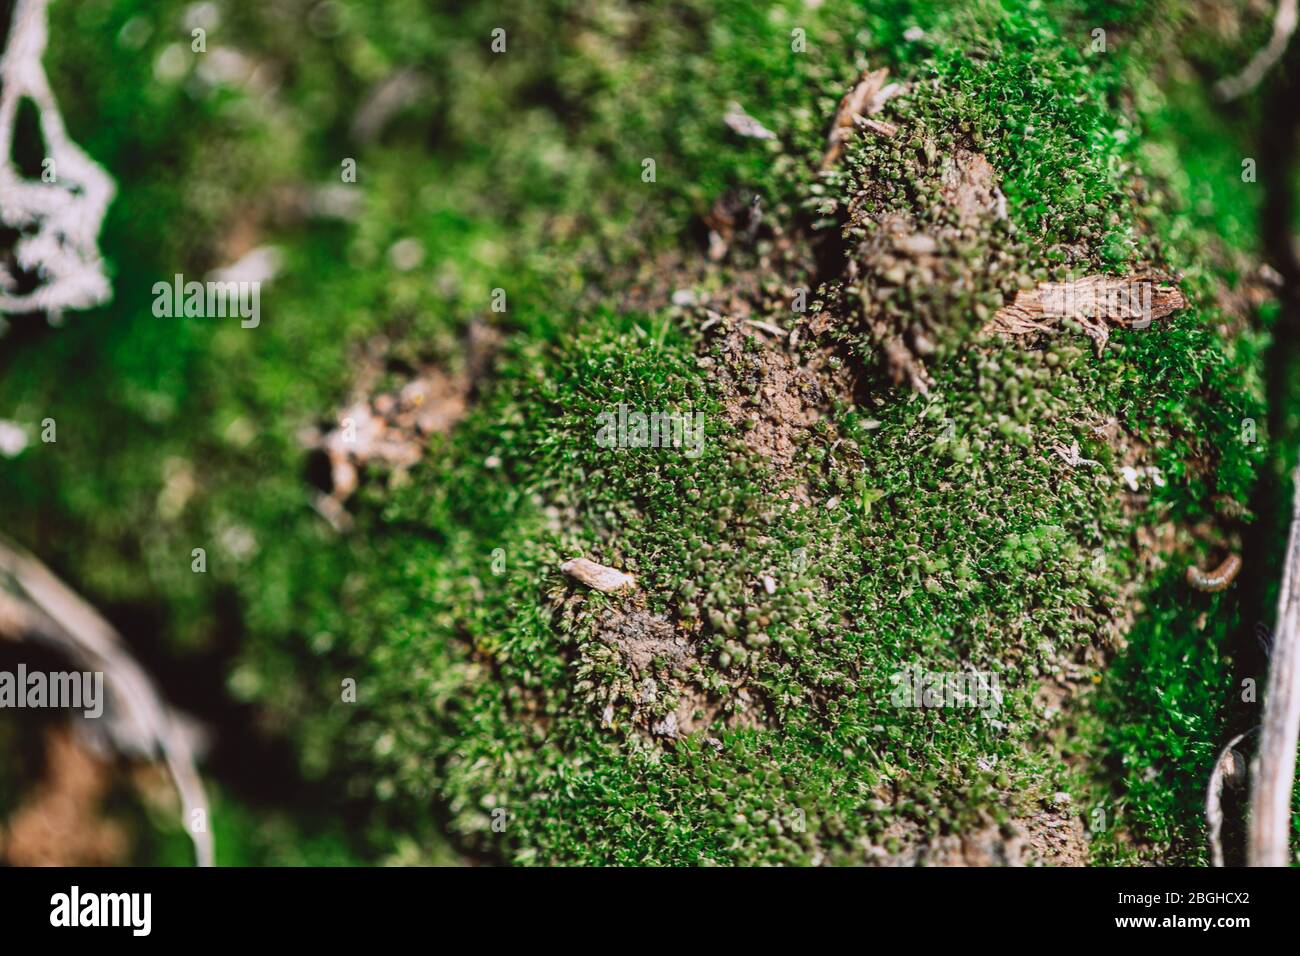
(742, 124)
(597, 576)
(1096, 302)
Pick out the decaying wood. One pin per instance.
(1272, 772)
(867, 98)
(1097, 302)
(35, 605)
(597, 576)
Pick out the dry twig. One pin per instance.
(1227, 769)
(1284, 24)
(1272, 772)
(37, 606)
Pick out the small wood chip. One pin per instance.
(597, 576)
(1096, 302)
(915, 244)
(879, 126)
(742, 124)
(867, 98)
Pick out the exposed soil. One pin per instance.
(1054, 837)
(61, 823)
(775, 395)
(661, 685)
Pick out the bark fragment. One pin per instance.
(867, 98)
(1097, 302)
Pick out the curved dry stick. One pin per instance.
(1284, 24)
(1272, 772)
(1214, 798)
(35, 604)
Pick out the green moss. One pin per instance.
(942, 532)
